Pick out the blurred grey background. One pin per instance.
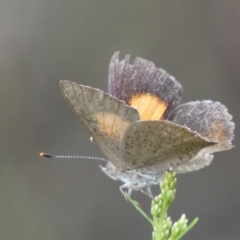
(42, 42)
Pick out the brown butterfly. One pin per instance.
(141, 128)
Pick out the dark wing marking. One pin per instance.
(105, 117)
(126, 80)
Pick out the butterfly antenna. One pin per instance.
(48, 155)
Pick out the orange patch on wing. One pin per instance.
(217, 133)
(150, 107)
(112, 125)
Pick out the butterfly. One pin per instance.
(142, 129)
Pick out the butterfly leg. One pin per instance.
(148, 192)
(126, 185)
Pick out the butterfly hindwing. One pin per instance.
(158, 145)
(210, 119)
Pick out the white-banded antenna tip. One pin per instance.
(48, 155)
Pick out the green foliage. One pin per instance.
(163, 227)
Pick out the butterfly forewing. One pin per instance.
(105, 117)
